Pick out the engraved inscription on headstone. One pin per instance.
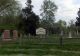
(41, 31)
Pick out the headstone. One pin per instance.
(41, 31)
(70, 35)
(61, 33)
(6, 35)
(15, 34)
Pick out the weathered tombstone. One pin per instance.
(70, 35)
(6, 35)
(41, 31)
(15, 34)
(61, 33)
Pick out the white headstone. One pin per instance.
(70, 35)
(41, 31)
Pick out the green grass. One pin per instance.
(41, 47)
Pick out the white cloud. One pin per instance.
(22, 2)
(67, 10)
(37, 6)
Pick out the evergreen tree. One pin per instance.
(78, 21)
(78, 18)
(29, 20)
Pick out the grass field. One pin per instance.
(41, 47)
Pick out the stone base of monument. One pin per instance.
(7, 39)
(15, 34)
(6, 35)
(70, 35)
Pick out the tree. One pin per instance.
(9, 10)
(29, 20)
(6, 4)
(62, 25)
(48, 10)
(78, 21)
(78, 18)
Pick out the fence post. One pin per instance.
(61, 38)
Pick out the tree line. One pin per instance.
(10, 11)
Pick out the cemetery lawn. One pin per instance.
(39, 50)
(40, 47)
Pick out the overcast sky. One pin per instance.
(67, 9)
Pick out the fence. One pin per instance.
(50, 39)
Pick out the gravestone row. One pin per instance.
(6, 35)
